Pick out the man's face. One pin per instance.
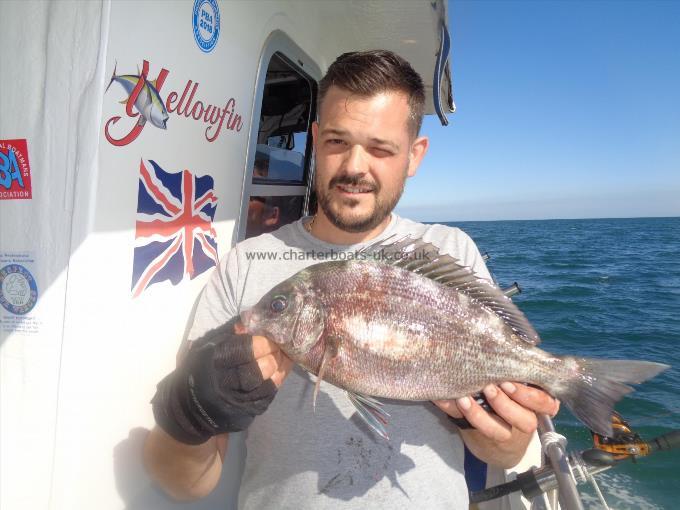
(364, 153)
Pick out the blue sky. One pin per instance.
(565, 110)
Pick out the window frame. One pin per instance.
(278, 42)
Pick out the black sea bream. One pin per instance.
(403, 322)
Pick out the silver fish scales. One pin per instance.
(408, 323)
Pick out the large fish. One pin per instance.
(408, 323)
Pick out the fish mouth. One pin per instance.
(247, 318)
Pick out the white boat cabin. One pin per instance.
(139, 141)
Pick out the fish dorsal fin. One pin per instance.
(424, 258)
(128, 78)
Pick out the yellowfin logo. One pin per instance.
(145, 104)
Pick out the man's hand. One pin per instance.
(225, 381)
(501, 439)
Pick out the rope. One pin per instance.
(550, 438)
(593, 482)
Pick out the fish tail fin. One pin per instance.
(601, 383)
(113, 76)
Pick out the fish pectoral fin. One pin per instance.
(371, 411)
(329, 353)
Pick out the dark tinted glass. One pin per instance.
(266, 214)
(284, 123)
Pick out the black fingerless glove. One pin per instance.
(217, 388)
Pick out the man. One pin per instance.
(367, 144)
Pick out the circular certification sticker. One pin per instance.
(18, 290)
(206, 21)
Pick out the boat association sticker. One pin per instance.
(15, 170)
(206, 22)
(18, 290)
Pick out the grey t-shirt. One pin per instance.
(298, 458)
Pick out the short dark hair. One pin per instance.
(367, 73)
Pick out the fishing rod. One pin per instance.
(580, 467)
(554, 448)
(562, 471)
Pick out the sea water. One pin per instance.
(605, 288)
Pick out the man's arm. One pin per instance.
(225, 380)
(185, 472)
(501, 440)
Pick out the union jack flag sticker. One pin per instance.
(174, 235)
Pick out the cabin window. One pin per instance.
(279, 176)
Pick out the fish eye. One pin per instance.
(279, 304)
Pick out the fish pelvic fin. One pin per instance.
(370, 410)
(599, 385)
(329, 353)
(113, 76)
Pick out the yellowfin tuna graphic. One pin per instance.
(148, 102)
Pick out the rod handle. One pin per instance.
(665, 442)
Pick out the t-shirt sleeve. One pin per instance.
(459, 245)
(473, 258)
(218, 301)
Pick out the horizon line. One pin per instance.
(557, 219)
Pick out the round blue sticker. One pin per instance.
(18, 290)
(206, 21)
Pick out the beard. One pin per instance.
(340, 211)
